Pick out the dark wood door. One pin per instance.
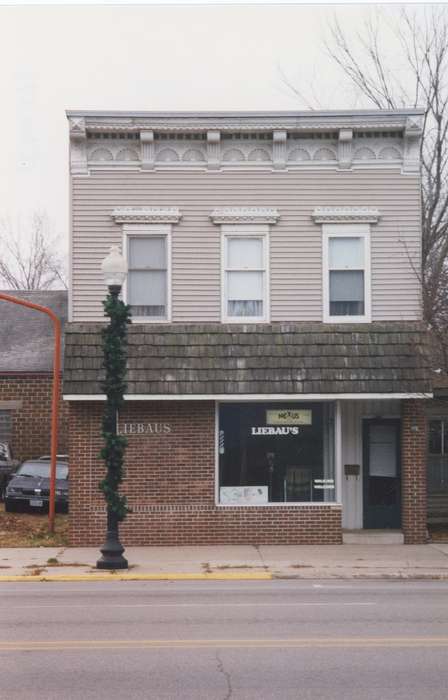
(382, 477)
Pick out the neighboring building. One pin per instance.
(26, 367)
(278, 367)
(437, 413)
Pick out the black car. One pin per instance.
(30, 486)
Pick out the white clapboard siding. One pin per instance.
(295, 241)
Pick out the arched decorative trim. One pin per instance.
(233, 155)
(364, 153)
(167, 155)
(193, 155)
(299, 154)
(127, 154)
(324, 154)
(146, 215)
(101, 154)
(389, 153)
(259, 154)
(244, 215)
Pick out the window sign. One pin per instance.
(288, 452)
(289, 416)
(243, 495)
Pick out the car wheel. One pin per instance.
(10, 506)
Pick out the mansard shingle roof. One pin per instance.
(284, 358)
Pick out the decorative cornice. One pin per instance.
(175, 122)
(196, 126)
(146, 215)
(244, 215)
(345, 215)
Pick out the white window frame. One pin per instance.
(330, 231)
(245, 231)
(146, 230)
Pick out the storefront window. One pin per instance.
(276, 453)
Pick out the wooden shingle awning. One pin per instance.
(285, 359)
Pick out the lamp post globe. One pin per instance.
(114, 269)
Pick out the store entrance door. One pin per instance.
(382, 477)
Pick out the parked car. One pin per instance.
(7, 465)
(30, 486)
(47, 458)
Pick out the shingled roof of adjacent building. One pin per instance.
(285, 358)
(26, 335)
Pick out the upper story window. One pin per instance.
(245, 271)
(147, 289)
(346, 273)
(147, 248)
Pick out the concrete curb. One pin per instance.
(137, 577)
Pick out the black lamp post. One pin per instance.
(114, 338)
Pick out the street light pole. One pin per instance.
(55, 395)
(114, 269)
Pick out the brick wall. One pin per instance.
(413, 471)
(170, 482)
(31, 423)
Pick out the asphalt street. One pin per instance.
(240, 640)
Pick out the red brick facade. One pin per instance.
(170, 484)
(413, 471)
(31, 422)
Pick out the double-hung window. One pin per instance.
(245, 276)
(346, 270)
(147, 284)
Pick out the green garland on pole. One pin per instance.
(114, 339)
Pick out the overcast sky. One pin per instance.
(217, 57)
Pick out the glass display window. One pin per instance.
(276, 453)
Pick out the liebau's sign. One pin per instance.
(144, 428)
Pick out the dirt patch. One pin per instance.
(31, 530)
(50, 564)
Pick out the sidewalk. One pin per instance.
(232, 562)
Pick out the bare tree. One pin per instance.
(30, 261)
(422, 39)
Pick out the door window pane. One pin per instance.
(383, 450)
(346, 253)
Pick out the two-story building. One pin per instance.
(277, 363)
